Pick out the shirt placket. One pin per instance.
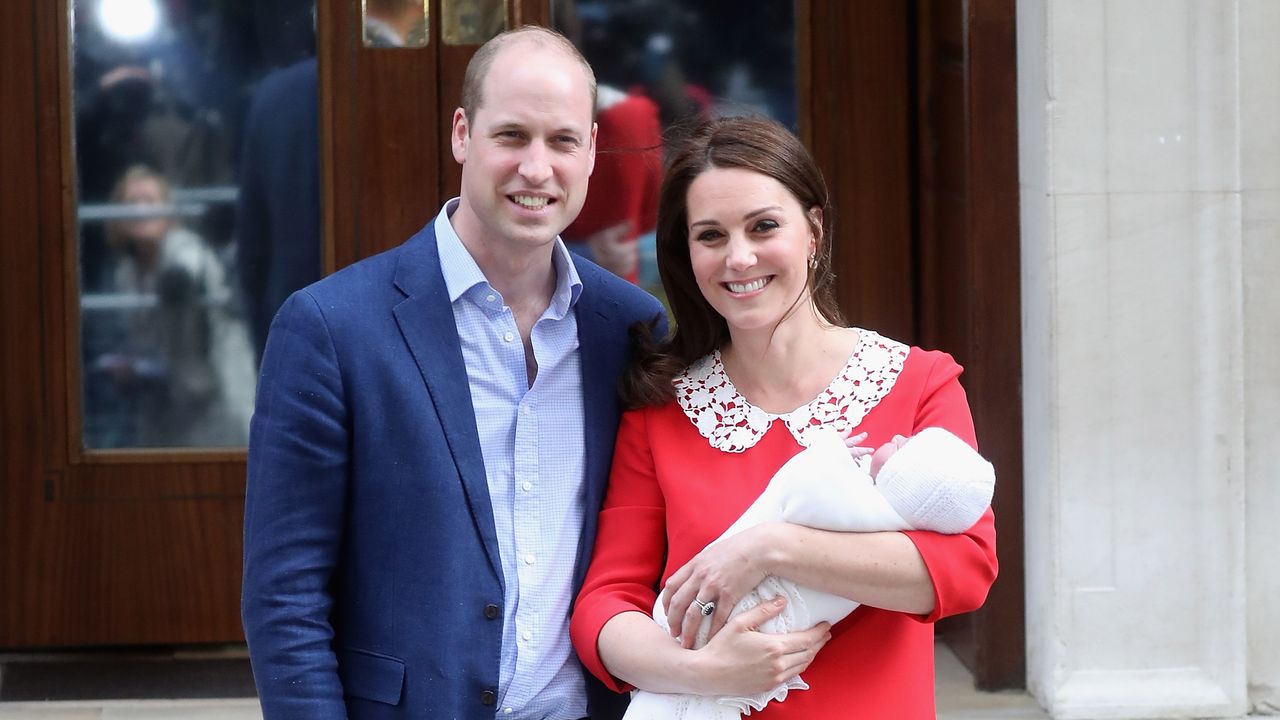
(528, 550)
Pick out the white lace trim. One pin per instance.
(732, 424)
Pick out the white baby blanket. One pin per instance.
(934, 482)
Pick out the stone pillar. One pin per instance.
(1150, 198)
(1260, 179)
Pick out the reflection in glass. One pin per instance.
(472, 22)
(657, 62)
(396, 23)
(183, 239)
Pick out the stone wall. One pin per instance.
(1150, 164)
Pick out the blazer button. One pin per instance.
(491, 611)
(488, 697)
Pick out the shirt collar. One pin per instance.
(461, 273)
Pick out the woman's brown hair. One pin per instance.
(749, 143)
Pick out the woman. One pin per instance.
(759, 359)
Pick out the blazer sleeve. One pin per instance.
(962, 566)
(298, 457)
(630, 546)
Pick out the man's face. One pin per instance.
(527, 152)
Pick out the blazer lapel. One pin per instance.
(598, 352)
(426, 321)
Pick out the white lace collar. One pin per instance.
(732, 424)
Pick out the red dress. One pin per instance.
(683, 472)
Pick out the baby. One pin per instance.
(931, 481)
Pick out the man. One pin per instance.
(434, 430)
(278, 211)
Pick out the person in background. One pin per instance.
(389, 23)
(623, 202)
(185, 368)
(759, 361)
(278, 209)
(434, 430)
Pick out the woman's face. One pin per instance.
(145, 191)
(749, 243)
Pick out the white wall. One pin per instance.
(1260, 180)
(1149, 133)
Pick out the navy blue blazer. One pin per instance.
(278, 212)
(372, 582)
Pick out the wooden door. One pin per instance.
(907, 106)
(130, 545)
(912, 115)
(968, 296)
(100, 547)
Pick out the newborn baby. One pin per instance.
(931, 481)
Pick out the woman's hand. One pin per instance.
(744, 661)
(723, 573)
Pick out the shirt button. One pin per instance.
(508, 337)
(529, 559)
(488, 697)
(491, 611)
(507, 711)
(527, 486)
(490, 297)
(526, 635)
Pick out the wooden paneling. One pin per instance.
(106, 549)
(993, 225)
(911, 112)
(20, 293)
(859, 130)
(380, 124)
(969, 299)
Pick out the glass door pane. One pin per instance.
(196, 149)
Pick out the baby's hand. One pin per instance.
(855, 451)
(884, 452)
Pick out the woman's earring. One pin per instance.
(813, 259)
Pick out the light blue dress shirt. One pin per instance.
(532, 442)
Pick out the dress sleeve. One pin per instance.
(630, 545)
(962, 566)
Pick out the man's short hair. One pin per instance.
(478, 68)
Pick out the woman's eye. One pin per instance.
(766, 226)
(708, 235)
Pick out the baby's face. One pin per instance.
(884, 452)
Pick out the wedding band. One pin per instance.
(707, 607)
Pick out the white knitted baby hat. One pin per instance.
(937, 482)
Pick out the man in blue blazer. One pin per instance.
(434, 431)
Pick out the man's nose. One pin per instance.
(535, 165)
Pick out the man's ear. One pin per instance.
(460, 136)
(591, 165)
